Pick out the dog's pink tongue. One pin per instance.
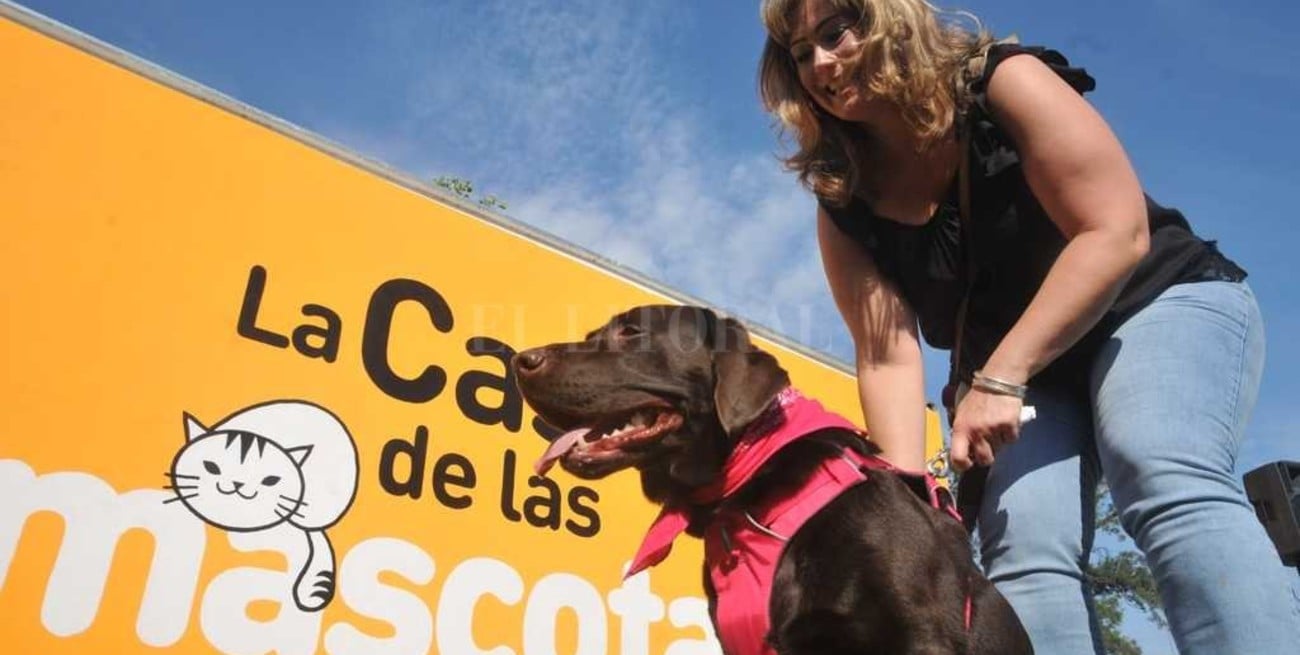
(562, 444)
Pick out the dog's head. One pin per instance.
(662, 388)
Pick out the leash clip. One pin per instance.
(939, 466)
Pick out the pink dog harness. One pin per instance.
(743, 545)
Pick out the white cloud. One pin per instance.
(561, 109)
(738, 235)
(531, 92)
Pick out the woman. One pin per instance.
(1139, 344)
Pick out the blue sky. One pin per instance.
(633, 128)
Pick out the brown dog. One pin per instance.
(671, 391)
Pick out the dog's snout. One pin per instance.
(530, 361)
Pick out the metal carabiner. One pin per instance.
(939, 466)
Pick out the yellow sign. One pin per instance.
(256, 394)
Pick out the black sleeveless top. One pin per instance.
(1014, 245)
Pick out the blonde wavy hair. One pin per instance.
(915, 52)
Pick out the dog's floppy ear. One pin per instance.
(745, 379)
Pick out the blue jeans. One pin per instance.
(1169, 397)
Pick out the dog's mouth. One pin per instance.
(608, 444)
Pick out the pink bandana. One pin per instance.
(791, 416)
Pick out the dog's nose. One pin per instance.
(529, 361)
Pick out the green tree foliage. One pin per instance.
(1111, 615)
(1120, 580)
(464, 188)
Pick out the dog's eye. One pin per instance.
(628, 331)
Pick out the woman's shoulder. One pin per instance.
(992, 147)
(1001, 51)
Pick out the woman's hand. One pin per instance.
(985, 422)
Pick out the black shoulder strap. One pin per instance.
(973, 71)
(970, 487)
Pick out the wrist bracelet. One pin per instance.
(999, 387)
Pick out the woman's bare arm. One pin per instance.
(887, 350)
(1080, 174)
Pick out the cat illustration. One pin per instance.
(285, 461)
